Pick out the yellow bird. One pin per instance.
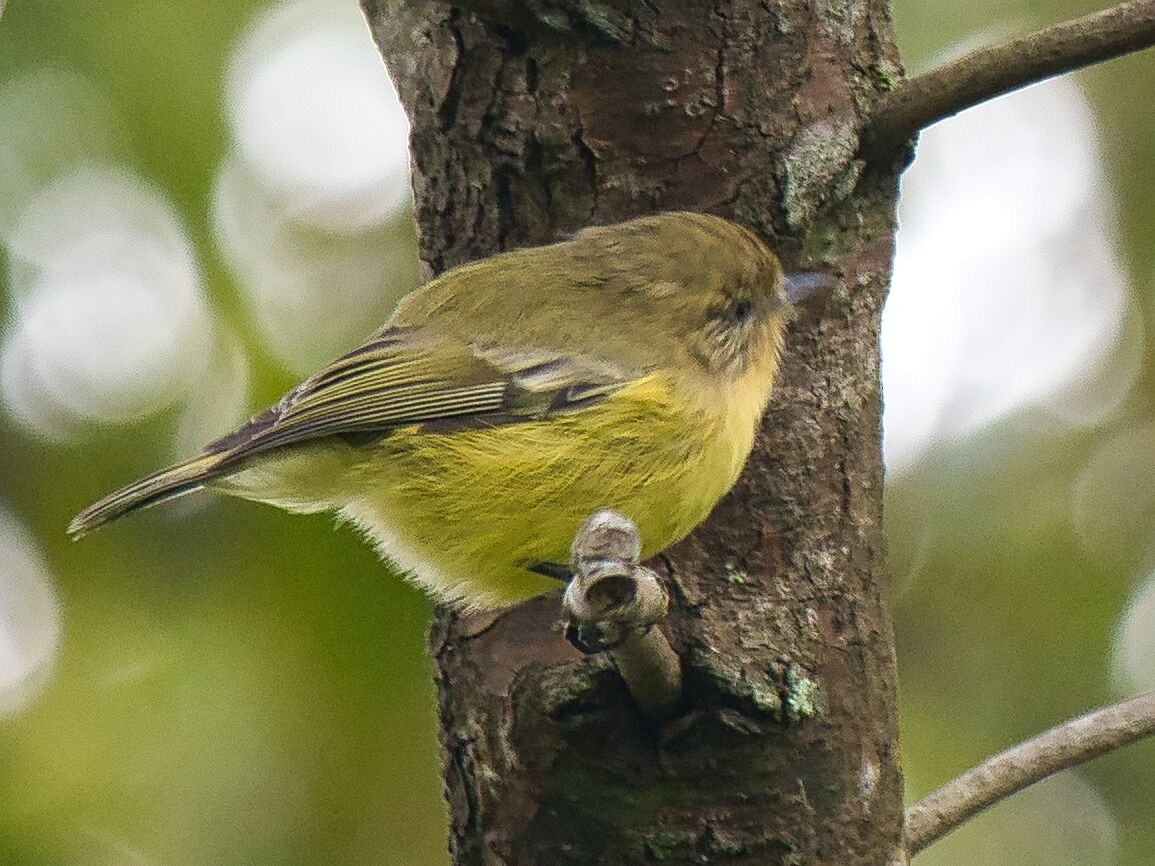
(508, 399)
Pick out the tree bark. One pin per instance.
(532, 119)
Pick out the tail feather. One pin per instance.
(177, 480)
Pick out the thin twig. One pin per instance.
(988, 72)
(652, 671)
(1068, 745)
(613, 604)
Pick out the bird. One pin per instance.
(503, 402)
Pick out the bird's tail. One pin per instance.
(176, 480)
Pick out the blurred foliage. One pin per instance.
(238, 685)
(234, 685)
(1004, 623)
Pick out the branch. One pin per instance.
(1068, 745)
(989, 72)
(614, 604)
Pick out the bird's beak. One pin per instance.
(805, 284)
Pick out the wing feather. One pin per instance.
(404, 377)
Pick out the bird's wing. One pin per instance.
(404, 377)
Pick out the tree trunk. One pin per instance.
(532, 119)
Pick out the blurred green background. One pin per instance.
(219, 682)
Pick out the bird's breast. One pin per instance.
(469, 512)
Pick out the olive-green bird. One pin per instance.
(508, 399)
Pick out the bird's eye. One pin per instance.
(742, 310)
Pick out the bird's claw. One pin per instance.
(610, 597)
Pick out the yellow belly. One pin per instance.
(466, 513)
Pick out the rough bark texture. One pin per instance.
(532, 119)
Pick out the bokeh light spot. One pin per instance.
(1007, 291)
(312, 295)
(1113, 501)
(316, 118)
(30, 618)
(110, 323)
(52, 118)
(1133, 650)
